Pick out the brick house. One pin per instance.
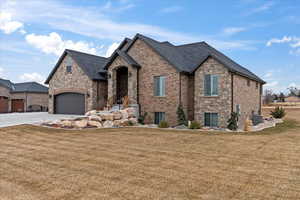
(159, 76)
(22, 97)
(75, 85)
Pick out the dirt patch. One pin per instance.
(140, 163)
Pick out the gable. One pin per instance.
(90, 64)
(62, 77)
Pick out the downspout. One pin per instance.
(179, 88)
(137, 90)
(231, 92)
(260, 93)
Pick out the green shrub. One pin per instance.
(279, 112)
(142, 118)
(163, 124)
(232, 122)
(195, 125)
(181, 119)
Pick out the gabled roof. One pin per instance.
(187, 58)
(89, 63)
(123, 55)
(6, 83)
(29, 87)
(24, 87)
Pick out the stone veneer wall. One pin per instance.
(132, 79)
(154, 65)
(77, 81)
(220, 104)
(248, 97)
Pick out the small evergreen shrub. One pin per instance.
(278, 113)
(163, 124)
(142, 118)
(195, 125)
(232, 122)
(181, 119)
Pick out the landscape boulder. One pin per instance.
(92, 112)
(80, 123)
(107, 116)
(124, 114)
(66, 123)
(117, 115)
(94, 123)
(108, 124)
(95, 118)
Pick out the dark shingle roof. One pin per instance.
(24, 87)
(6, 83)
(30, 87)
(89, 63)
(187, 58)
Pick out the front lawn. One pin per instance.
(140, 163)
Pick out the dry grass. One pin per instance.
(130, 163)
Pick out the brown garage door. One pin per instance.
(3, 104)
(17, 105)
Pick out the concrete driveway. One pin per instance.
(11, 119)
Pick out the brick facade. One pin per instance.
(78, 82)
(247, 96)
(220, 104)
(154, 65)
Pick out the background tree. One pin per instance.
(281, 97)
(268, 97)
(293, 91)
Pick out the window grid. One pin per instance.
(159, 86)
(158, 117)
(211, 119)
(211, 85)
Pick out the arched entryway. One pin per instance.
(122, 84)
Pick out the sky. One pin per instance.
(261, 35)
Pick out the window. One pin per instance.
(69, 69)
(69, 63)
(159, 86)
(158, 117)
(248, 82)
(211, 85)
(211, 119)
(238, 109)
(256, 86)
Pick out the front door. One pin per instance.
(122, 84)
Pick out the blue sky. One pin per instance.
(263, 36)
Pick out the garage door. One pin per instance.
(3, 104)
(17, 105)
(69, 103)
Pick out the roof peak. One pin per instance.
(70, 50)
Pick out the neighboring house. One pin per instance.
(159, 76)
(292, 99)
(75, 86)
(22, 97)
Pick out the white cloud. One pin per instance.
(7, 25)
(285, 39)
(2, 73)
(54, 44)
(27, 77)
(272, 84)
(268, 75)
(264, 7)
(294, 43)
(111, 49)
(100, 25)
(233, 30)
(171, 9)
